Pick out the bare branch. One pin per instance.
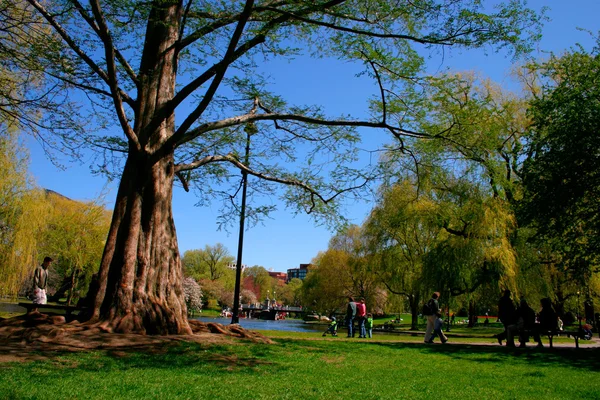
(447, 41)
(220, 68)
(96, 29)
(183, 181)
(242, 119)
(314, 194)
(109, 51)
(71, 43)
(381, 89)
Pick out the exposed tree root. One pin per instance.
(38, 335)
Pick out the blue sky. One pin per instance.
(285, 241)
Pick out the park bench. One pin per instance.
(551, 333)
(68, 310)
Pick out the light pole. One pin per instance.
(578, 314)
(235, 317)
(448, 313)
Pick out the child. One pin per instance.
(332, 328)
(437, 329)
(369, 325)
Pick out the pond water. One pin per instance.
(292, 325)
(12, 308)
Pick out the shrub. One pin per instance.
(193, 295)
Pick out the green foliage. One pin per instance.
(22, 213)
(290, 293)
(262, 282)
(342, 270)
(30, 101)
(210, 263)
(561, 174)
(101, 48)
(74, 235)
(402, 229)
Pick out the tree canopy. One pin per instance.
(182, 84)
(562, 171)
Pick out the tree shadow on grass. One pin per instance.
(174, 356)
(583, 358)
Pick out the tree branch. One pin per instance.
(71, 43)
(446, 41)
(314, 194)
(109, 52)
(96, 29)
(242, 119)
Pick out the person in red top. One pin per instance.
(361, 316)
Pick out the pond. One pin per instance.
(291, 325)
(12, 308)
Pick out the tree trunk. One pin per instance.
(70, 297)
(414, 310)
(140, 277)
(141, 273)
(472, 314)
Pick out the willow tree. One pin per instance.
(141, 64)
(22, 215)
(74, 235)
(402, 229)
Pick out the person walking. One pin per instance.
(430, 311)
(350, 314)
(507, 315)
(438, 329)
(40, 282)
(524, 323)
(361, 315)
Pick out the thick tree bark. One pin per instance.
(141, 274)
(140, 277)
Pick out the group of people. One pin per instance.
(522, 321)
(356, 313)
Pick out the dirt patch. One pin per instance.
(38, 336)
(333, 360)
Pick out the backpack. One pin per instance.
(427, 309)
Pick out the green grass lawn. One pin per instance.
(306, 366)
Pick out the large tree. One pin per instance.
(142, 63)
(74, 234)
(212, 262)
(22, 216)
(562, 170)
(402, 229)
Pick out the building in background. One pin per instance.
(280, 276)
(299, 273)
(233, 266)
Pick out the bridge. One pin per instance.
(270, 312)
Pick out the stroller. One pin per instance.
(332, 328)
